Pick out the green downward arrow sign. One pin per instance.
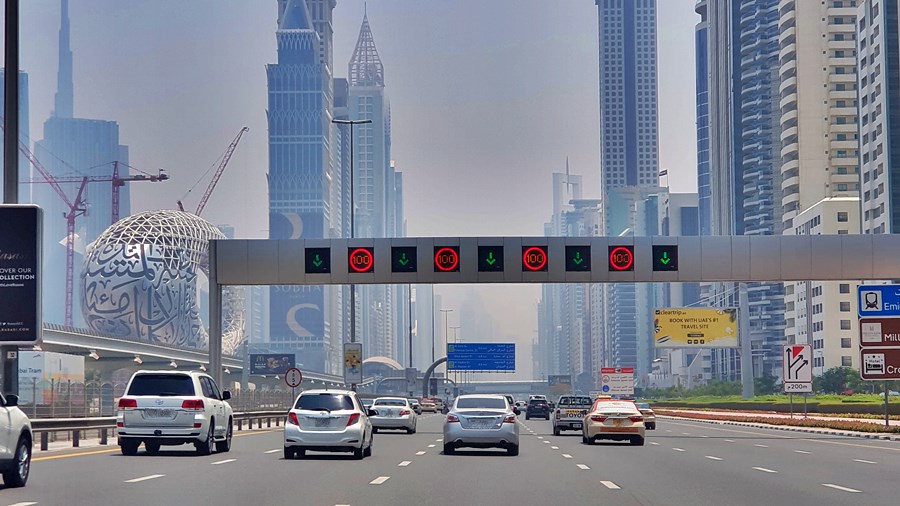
(317, 261)
(577, 260)
(665, 258)
(403, 260)
(490, 259)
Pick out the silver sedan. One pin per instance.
(481, 421)
(393, 413)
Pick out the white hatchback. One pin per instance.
(329, 421)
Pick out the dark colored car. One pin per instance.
(537, 408)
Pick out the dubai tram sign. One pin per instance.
(556, 259)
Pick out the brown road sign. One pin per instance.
(879, 332)
(880, 363)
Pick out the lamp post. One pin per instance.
(352, 122)
(446, 334)
(455, 340)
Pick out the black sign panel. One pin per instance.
(403, 259)
(270, 363)
(490, 259)
(665, 258)
(318, 260)
(20, 274)
(578, 258)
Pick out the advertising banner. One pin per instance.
(270, 363)
(20, 274)
(695, 327)
(353, 373)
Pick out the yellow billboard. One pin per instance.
(693, 327)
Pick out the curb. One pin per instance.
(810, 430)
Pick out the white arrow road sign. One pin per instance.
(797, 365)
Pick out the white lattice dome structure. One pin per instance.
(144, 277)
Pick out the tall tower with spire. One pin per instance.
(300, 175)
(74, 147)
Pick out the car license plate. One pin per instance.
(576, 425)
(157, 413)
(482, 424)
(323, 422)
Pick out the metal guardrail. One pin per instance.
(104, 424)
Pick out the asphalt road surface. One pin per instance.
(683, 463)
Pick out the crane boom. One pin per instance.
(220, 170)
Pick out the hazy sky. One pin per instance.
(488, 98)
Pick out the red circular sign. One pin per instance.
(361, 260)
(534, 258)
(293, 377)
(621, 259)
(446, 259)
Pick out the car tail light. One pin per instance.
(197, 425)
(127, 403)
(404, 412)
(452, 418)
(557, 414)
(636, 418)
(510, 419)
(598, 418)
(192, 404)
(354, 417)
(292, 419)
(120, 424)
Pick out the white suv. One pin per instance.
(174, 408)
(15, 442)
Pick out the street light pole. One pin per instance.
(446, 334)
(352, 122)
(455, 340)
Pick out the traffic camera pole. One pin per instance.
(11, 159)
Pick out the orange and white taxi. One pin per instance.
(613, 419)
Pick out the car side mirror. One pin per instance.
(371, 412)
(516, 410)
(226, 395)
(12, 400)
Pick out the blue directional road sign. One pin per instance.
(481, 357)
(878, 300)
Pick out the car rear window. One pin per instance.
(615, 407)
(537, 401)
(642, 405)
(481, 402)
(390, 402)
(575, 401)
(161, 385)
(324, 402)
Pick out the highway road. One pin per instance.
(683, 463)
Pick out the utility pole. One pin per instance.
(11, 159)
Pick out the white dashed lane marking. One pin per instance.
(584, 467)
(23, 504)
(438, 440)
(566, 456)
(654, 443)
(554, 448)
(404, 463)
(420, 453)
(548, 442)
(226, 461)
(761, 446)
(379, 480)
(861, 461)
(610, 485)
(431, 446)
(801, 451)
(710, 457)
(144, 478)
(763, 469)
(273, 451)
(729, 440)
(679, 449)
(838, 487)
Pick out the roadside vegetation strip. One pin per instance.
(791, 422)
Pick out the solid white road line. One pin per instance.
(420, 453)
(431, 446)
(404, 463)
(610, 485)
(864, 461)
(710, 457)
(761, 446)
(379, 480)
(763, 469)
(273, 451)
(679, 449)
(23, 504)
(566, 456)
(145, 478)
(803, 452)
(584, 467)
(845, 489)
(223, 462)
(554, 448)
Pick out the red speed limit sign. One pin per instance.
(293, 377)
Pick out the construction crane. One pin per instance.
(116, 180)
(77, 208)
(217, 174)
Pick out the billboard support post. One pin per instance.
(746, 349)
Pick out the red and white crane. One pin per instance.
(217, 175)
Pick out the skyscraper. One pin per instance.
(628, 147)
(704, 191)
(300, 175)
(74, 147)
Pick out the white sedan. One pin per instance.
(393, 413)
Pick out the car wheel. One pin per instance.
(652, 426)
(130, 447)
(152, 447)
(368, 451)
(556, 431)
(18, 474)
(359, 453)
(205, 446)
(638, 441)
(448, 449)
(527, 416)
(289, 453)
(512, 451)
(585, 440)
(225, 446)
(374, 430)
